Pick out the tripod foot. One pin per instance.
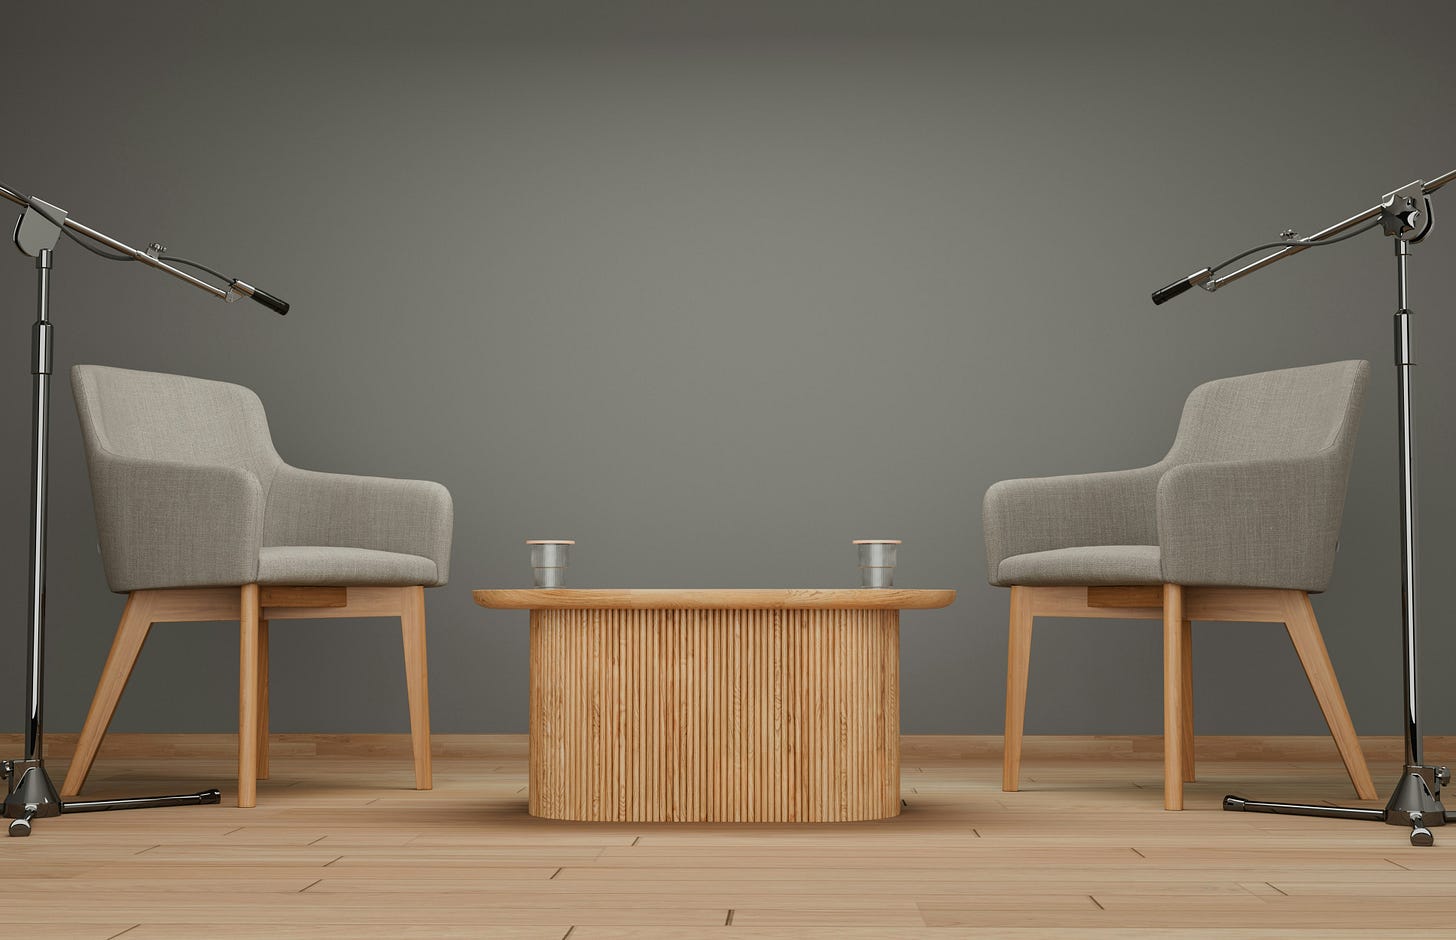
(20, 827)
(1234, 804)
(1420, 835)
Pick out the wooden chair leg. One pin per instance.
(416, 672)
(1309, 643)
(262, 699)
(131, 633)
(248, 620)
(1018, 669)
(1173, 698)
(1188, 776)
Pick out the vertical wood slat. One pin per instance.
(535, 714)
(714, 715)
(722, 669)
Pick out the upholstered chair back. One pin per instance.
(175, 419)
(1288, 413)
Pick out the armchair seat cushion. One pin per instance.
(1084, 565)
(326, 565)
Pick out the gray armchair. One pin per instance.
(1238, 522)
(200, 519)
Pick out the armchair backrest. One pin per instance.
(1286, 413)
(173, 418)
(179, 471)
(1255, 486)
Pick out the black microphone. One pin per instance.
(276, 304)
(1164, 294)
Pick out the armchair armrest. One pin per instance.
(1252, 523)
(165, 524)
(1033, 515)
(412, 517)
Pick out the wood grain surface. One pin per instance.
(716, 598)
(714, 715)
(341, 847)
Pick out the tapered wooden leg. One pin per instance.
(262, 699)
(248, 697)
(416, 672)
(1018, 668)
(1188, 701)
(1304, 631)
(131, 633)
(1173, 703)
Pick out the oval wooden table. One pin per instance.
(715, 705)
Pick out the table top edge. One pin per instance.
(714, 598)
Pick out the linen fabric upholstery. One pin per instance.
(1250, 494)
(409, 517)
(175, 524)
(1035, 515)
(186, 486)
(1090, 564)
(323, 565)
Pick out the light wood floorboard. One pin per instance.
(341, 845)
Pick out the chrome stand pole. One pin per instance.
(30, 794)
(1416, 800)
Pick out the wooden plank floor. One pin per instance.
(339, 846)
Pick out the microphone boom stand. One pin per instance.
(30, 794)
(1406, 216)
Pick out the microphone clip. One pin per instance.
(238, 290)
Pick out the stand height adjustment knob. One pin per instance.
(1443, 775)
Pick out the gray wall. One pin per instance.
(716, 288)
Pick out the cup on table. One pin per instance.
(877, 562)
(548, 561)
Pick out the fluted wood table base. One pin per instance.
(715, 715)
(715, 705)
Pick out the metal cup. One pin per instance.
(877, 562)
(549, 560)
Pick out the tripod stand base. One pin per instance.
(1241, 805)
(142, 802)
(32, 796)
(1416, 802)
